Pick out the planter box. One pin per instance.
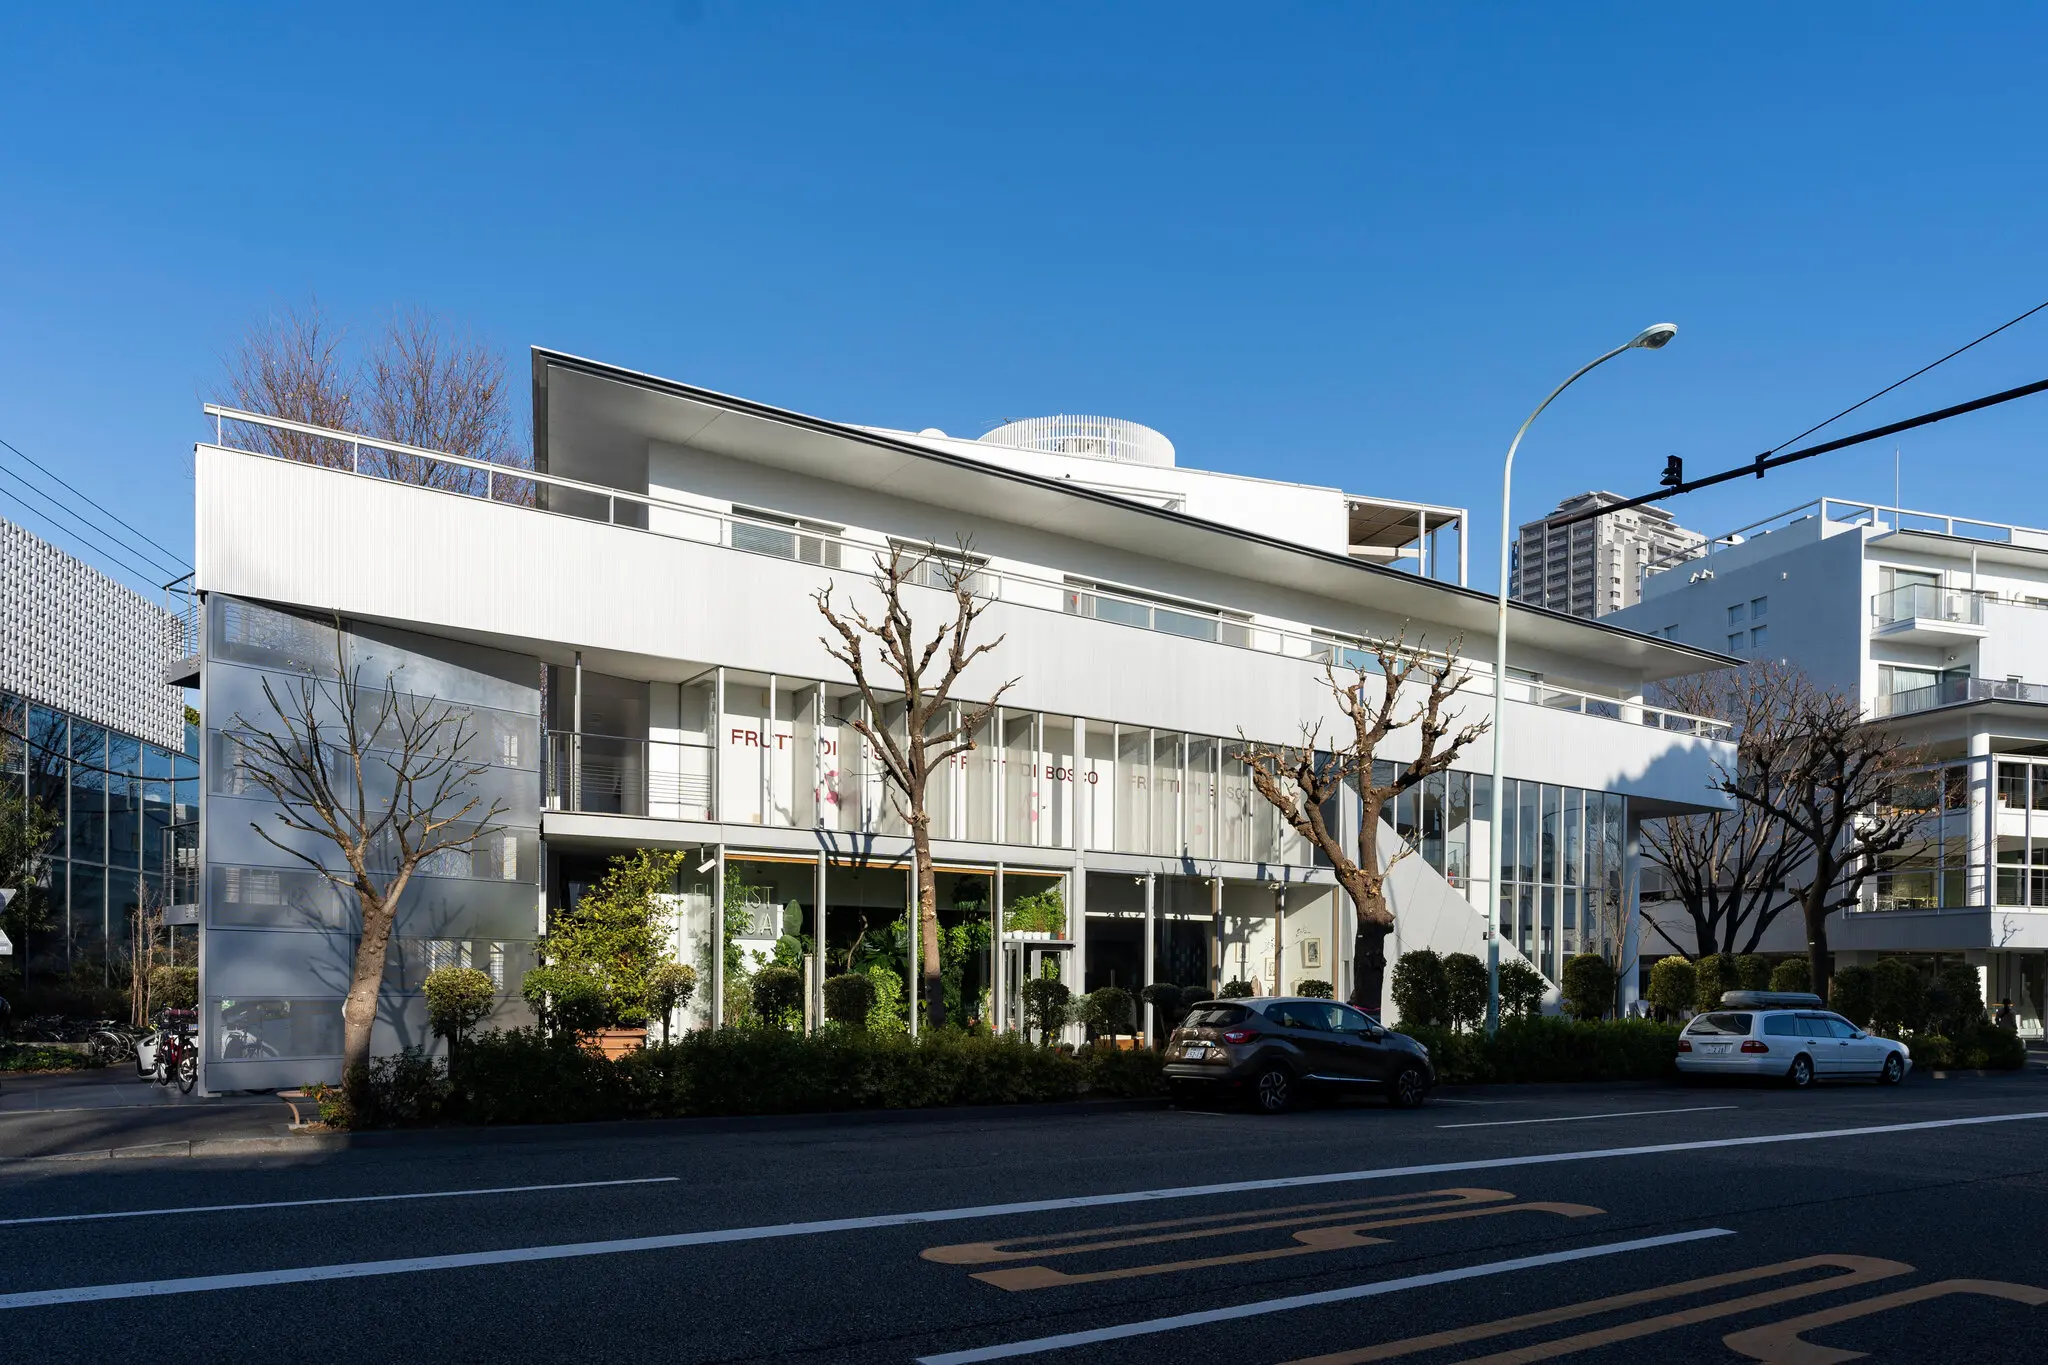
(614, 1043)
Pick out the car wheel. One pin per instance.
(1894, 1070)
(1273, 1090)
(1409, 1088)
(1801, 1074)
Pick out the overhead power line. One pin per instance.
(168, 555)
(83, 531)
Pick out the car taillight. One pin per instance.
(1684, 1045)
(1239, 1035)
(1754, 1045)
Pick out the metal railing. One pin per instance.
(1956, 691)
(1848, 512)
(552, 494)
(1928, 602)
(620, 775)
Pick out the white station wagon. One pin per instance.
(1786, 1034)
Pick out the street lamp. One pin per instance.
(1653, 338)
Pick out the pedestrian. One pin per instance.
(2004, 1018)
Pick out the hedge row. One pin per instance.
(35, 1057)
(521, 1076)
(1554, 1049)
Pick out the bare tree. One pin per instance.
(1840, 787)
(1300, 781)
(337, 748)
(291, 365)
(934, 733)
(1730, 869)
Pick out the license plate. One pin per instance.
(1716, 1047)
(1197, 1051)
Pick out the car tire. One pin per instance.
(1273, 1090)
(1410, 1087)
(1894, 1070)
(1800, 1077)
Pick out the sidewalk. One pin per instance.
(112, 1109)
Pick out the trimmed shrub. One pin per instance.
(779, 997)
(1164, 998)
(1046, 1007)
(1898, 997)
(849, 999)
(1673, 984)
(1793, 974)
(1191, 996)
(1235, 990)
(458, 999)
(670, 987)
(1313, 989)
(1522, 989)
(887, 1016)
(1712, 977)
(1954, 1003)
(1107, 1012)
(1464, 990)
(1853, 995)
(1753, 972)
(567, 1000)
(1554, 1049)
(1420, 989)
(1588, 986)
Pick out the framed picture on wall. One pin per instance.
(1312, 953)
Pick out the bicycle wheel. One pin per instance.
(188, 1072)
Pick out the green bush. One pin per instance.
(1464, 990)
(670, 987)
(1587, 985)
(1898, 997)
(458, 999)
(849, 999)
(1793, 974)
(1712, 976)
(37, 1057)
(1420, 990)
(567, 1000)
(1046, 1007)
(779, 997)
(1955, 1003)
(1041, 912)
(1672, 985)
(1165, 1001)
(408, 1090)
(1853, 995)
(173, 988)
(1235, 990)
(1107, 1011)
(1313, 989)
(889, 1016)
(617, 933)
(1191, 996)
(1553, 1049)
(1522, 989)
(1753, 972)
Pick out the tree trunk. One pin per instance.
(1817, 973)
(928, 922)
(359, 1008)
(1369, 964)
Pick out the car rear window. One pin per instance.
(1720, 1023)
(1215, 1016)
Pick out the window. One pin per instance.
(1737, 1024)
(939, 568)
(1757, 607)
(1781, 1026)
(1759, 636)
(1735, 614)
(768, 539)
(1735, 642)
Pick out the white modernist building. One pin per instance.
(1939, 626)
(1592, 568)
(632, 624)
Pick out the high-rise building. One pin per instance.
(1593, 567)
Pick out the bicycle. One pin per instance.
(177, 1050)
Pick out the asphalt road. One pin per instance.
(1581, 1223)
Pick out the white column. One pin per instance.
(1983, 815)
(818, 953)
(1151, 943)
(718, 938)
(999, 963)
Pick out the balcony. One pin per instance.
(1921, 613)
(547, 495)
(1958, 692)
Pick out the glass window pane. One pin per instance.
(1166, 789)
(1198, 796)
(88, 792)
(1133, 803)
(1527, 796)
(1020, 782)
(1101, 778)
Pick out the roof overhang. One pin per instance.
(606, 414)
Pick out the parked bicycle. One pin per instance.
(176, 1055)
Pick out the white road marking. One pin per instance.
(1151, 1326)
(92, 1293)
(310, 1203)
(1581, 1118)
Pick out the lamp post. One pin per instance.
(1649, 339)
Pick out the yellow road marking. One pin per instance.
(1780, 1344)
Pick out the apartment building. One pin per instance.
(1593, 567)
(632, 624)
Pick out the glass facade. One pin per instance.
(115, 799)
(1563, 890)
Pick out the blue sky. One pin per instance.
(1347, 244)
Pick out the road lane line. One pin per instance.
(36, 1298)
(1374, 1289)
(1581, 1118)
(347, 1199)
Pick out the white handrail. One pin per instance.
(1311, 646)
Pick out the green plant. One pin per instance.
(175, 988)
(1165, 1000)
(1313, 989)
(670, 987)
(1853, 995)
(568, 1001)
(458, 999)
(1554, 1049)
(1045, 1007)
(779, 997)
(1898, 997)
(1587, 985)
(1753, 972)
(1420, 989)
(1672, 985)
(1713, 976)
(408, 1090)
(1107, 1012)
(1040, 912)
(1464, 990)
(1791, 974)
(1522, 989)
(849, 999)
(1954, 1003)
(887, 1016)
(619, 931)
(1191, 996)
(1235, 990)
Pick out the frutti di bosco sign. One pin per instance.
(739, 737)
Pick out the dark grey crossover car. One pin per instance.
(1269, 1050)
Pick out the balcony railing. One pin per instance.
(616, 775)
(1842, 511)
(1956, 691)
(549, 494)
(1928, 602)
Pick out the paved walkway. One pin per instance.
(112, 1109)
